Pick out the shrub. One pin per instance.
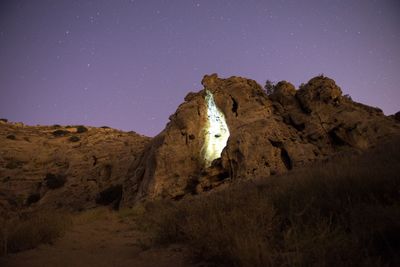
(54, 181)
(14, 164)
(74, 138)
(22, 234)
(59, 133)
(348, 97)
(269, 87)
(33, 198)
(3, 236)
(112, 194)
(11, 137)
(81, 129)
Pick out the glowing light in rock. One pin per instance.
(216, 131)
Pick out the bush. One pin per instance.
(54, 181)
(81, 129)
(33, 198)
(74, 138)
(59, 133)
(348, 97)
(14, 164)
(342, 213)
(269, 87)
(111, 195)
(22, 234)
(11, 137)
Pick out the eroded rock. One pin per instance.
(268, 135)
(40, 169)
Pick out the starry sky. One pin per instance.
(128, 64)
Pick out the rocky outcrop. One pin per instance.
(269, 134)
(81, 167)
(67, 167)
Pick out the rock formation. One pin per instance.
(68, 167)
(230, 130)
(269, 134)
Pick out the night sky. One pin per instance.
(129, 64)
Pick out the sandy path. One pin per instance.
(104, 241)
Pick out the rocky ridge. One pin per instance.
(269, 135)
(81, 167)
(73, 167)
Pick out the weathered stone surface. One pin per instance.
(284, 93)
(268, 135)
(38, 168)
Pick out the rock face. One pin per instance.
(67, 167)
(269, 134)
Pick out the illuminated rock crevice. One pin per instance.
(216, 132)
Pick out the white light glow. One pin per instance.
(216, 131)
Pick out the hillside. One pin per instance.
(299, 176)
(63, 167)
(231, 130)
(345, 212)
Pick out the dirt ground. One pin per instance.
(100, 238)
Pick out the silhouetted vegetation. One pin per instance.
(3, 120)
(81, 129)
(14, 164)
(11, 137)
(269, 87)
(59, 133)
(111, 195)
(30, 230)
(347, 96)
(397, 116)
(54, 181)
(342, 213)
(74, 138)
(33, 198)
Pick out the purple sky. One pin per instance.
(129, 64)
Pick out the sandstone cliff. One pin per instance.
(269, 134)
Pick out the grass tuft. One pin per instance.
(27, 233)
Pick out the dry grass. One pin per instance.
(342, 213)
(31, 230)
